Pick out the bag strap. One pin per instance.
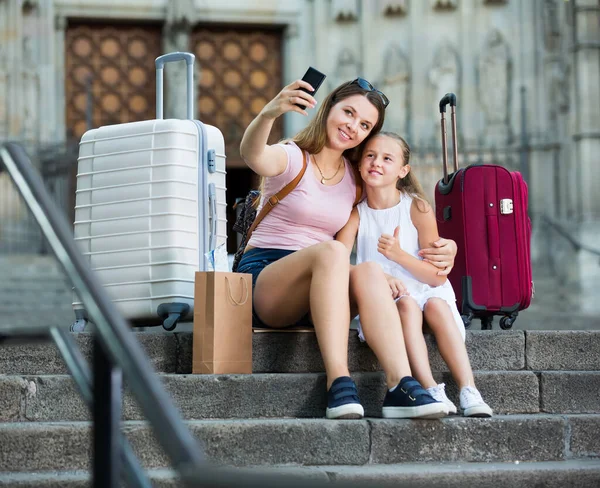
(280, 195)
(287, 189)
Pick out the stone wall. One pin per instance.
(526, 74)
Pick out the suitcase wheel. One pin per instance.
(507, 322)
(171, 313)
(79, 325)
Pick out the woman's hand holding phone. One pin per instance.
(286, 100)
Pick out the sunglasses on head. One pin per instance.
(365, 85)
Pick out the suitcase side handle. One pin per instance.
(448, 98)
(160, 65)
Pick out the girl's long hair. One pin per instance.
(409, 184)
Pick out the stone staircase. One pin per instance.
(543, 386)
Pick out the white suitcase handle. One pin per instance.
(160, 64)
(212, 205)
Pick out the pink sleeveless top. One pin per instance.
(310, 214)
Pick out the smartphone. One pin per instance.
(315, 79)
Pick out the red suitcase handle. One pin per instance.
(449, 98)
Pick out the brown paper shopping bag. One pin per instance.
(222, 323)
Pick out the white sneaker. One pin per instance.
(439, 393)
(472, 404)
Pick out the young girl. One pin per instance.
(391, 226)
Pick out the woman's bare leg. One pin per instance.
(412, 326)
(379, 320)
(449, 340)
(314, 278)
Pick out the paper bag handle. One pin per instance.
(245, 288)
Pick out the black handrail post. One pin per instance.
(106, 412)
(82, 375)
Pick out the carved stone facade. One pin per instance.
(526, 79)
(396, 84)
(494, 87)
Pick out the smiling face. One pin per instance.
(350, 121)
(382, 162)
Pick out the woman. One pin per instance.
(296, 264)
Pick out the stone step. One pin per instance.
(301, 395)
(298, 352)
(550, 474)
(33, 446)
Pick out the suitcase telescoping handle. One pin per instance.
(449, 98)
(160, 65)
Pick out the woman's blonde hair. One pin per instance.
(314, 136)
(409, 184)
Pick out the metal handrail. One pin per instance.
(77, 366)
(113, 331)
(575, 243)
(117, 339)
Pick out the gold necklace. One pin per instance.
(323, 179)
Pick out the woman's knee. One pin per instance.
(367, 273)
(332, 253)
(367, 279)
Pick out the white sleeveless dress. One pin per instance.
(372, 224)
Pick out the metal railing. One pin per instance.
(575, 243)
(116, 353)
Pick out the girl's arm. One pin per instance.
(268, 160)
(424, 221)
(347, 234)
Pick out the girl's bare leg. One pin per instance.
(440, 319)
(412, 325)
(379, 320)
(314, 278)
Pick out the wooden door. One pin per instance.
(240, 71)
(110, 76)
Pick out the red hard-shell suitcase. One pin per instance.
(484, 209)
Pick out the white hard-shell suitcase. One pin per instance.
(150, 203)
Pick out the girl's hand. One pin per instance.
(389, 245)
(287, 98)
(397, 287)
(441, 255)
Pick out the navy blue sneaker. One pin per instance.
(410, 400)
(342, 400)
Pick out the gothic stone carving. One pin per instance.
(29, 72)
(445, 4)
(347, 66)
(394, 8)
(4, 83)
(445, 72)
(395, 83)
(494, 82)
(345, 10)
(551, 27)
(557, 77)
